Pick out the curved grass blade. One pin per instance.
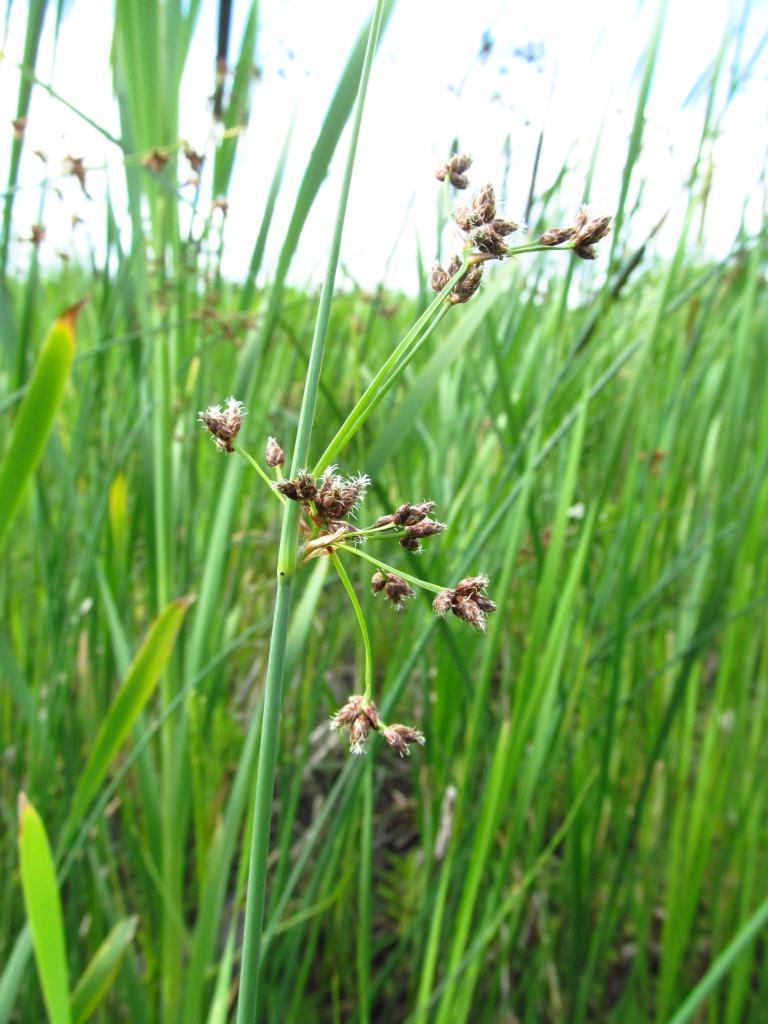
(43, 906)
(97, 978)
(137, 688)
(36, 416)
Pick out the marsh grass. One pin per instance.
(583, 835)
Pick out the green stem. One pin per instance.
(424, 584)
(270, 483)
(539, 248)
(366, 897)
(248, 1000)
(389, 372)
(368, 671)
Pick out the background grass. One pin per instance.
(583, 836)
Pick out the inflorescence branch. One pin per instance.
(328, 500)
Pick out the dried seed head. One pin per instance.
(346, 714)
(37, 234)
(556, 236)
(580, 219)
(223, 424)
(356, 719)
(410, 543)
(585, 252)
(74, 165)
(484, 205)
(463, 217)
(486, 240)
(401, 736)
(471, 585)
(453, 266)
(407, 514)
(454, 170)
(466, 602)
(358, 734)
(155, 160)
(19, 124)
(274, 454)
(425, 528)
(397, 591)
(504, 227)
(378, 582)
(303, 488)
(439, 278)
(196, 160)
(593, 231)
(468, 285)
(465, 608)
(337, 496)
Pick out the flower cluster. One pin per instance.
(466, 601)
(583, 234)
(455, 171)
(359, 717)
(223, 424)
(484, 234)
(328, 500)
(394, 588)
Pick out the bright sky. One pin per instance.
(428, 87)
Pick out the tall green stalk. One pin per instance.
(247, 1007)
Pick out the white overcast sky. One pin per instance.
(428, 87)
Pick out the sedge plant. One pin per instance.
(319, 504)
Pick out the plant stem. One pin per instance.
(368, 671)
(424, 584)
(270, 484)
(248, 1000)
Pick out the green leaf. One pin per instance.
(36, 417)
(98, 976)
(43, 906)
(140, 680)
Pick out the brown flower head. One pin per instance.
(378, 582)
(394, 587)
(556, 236)
(504, 227)
(338, 496)
(592, 231)
(439, 278)
(401, 736)
(468, 285)
(274, 455)
(454, 170)
(410, 543)
(424, 528)
(487, 240)
(195, 159)
(303, 488)
(155, 160)
(484, 205)
(355, 720)
(74, 165)
(223, 424)
(466, 601)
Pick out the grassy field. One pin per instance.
(582, 837)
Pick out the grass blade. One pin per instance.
(36, 416)
(43, 906)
